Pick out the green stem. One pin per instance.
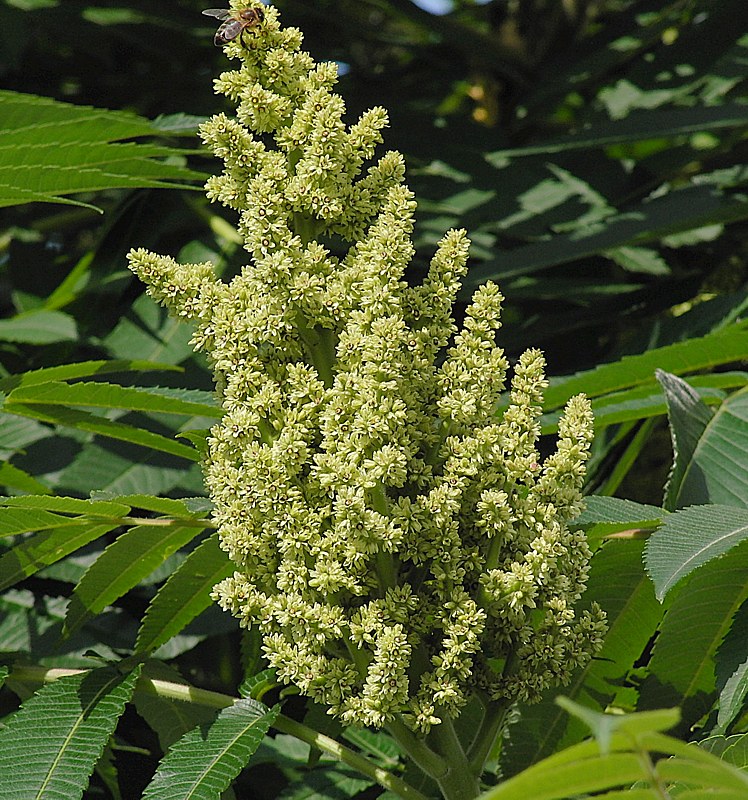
(204, 697)
(446, 763)
(492, 559)
(486, 735)
(460, 781)
(319, 344)
(420, 753)
(431, 456)
(347, 756)
(386, 566)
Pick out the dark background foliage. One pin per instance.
(594, 149)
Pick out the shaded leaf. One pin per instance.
(122, 565)
(81, 369)
(29, 556)
(732, 749)
(185, 594)
(169, 718)
(619, 584)
(732, 697)
(108, 395)
(204, 761)
(722, 347)
(710, 459)
(82, 420)
(637, 126)
(700, 614)
(678, 210)
(330, 783)
(39, 326)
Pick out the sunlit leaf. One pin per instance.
(49, 748)
(80, 151)
(690, 538)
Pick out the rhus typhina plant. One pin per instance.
(399, 544)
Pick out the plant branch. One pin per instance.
(217, 700)
(485, 736)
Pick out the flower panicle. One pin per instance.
(397, 539)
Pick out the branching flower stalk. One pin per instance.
(399, 544)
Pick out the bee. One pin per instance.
(234, 23)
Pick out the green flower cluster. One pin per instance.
(397, 541)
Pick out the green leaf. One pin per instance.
(14, 521)
(109, 395)
(17, 433)
(13, 478)
(692, 207)
(730, 662)
(81, 420)
(732, 749)
(122, 565)
(637, 126)
(166, 506)
(39, 551)
(330, 783)
(52, 149)
(688, 418)
(39, 327)
(619, 584)
(185, 594)
(114, 469)
(50, 746)
(722, 347)
(606, 515)
(169, 718)
(383, 748)
(603, 726)
(81, 369)
(732, 697)
(204, 761)
(582, 768)
(681, 668)
(710, 459)
(689, 538)
(150, 332)
(66, 505)
(642, 402)
(639, 259)
(569, 780)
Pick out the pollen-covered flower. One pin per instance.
(399, 543)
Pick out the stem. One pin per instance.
(319, 344)
(422, 755)
(461, 781)
(385, 561)
(347, 756)
(204, 697)
(655, 781)
(432, 454)
(485, 737)
(447, 765)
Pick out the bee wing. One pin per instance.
(218, 13)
